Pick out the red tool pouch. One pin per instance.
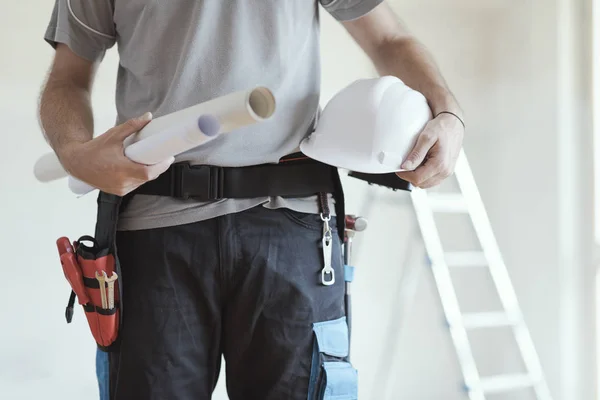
(102, 312)
(97, 271)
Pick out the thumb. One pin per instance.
(424, 142)
(127, 128)
(156, 169)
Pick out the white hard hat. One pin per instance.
(370, 126)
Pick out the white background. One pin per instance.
(521, 70)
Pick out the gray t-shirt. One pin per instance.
(177, 53)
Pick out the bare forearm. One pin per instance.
(409, 60)
(395, 51)
(65, 115)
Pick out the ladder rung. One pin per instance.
(466, 259)
(447, 203)
(486, 320)
(504, 383)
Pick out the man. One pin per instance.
(229, 276)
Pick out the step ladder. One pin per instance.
(469, 202)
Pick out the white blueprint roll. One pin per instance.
(47, 168)
(175, 133)
(163, 145)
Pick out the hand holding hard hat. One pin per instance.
(370, 126)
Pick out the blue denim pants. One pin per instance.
(245, 286)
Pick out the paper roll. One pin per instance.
(233, 111)
(161, 146)
(172, 134)
(47, 168)
(79, 187)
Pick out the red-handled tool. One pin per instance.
(71, 269)
(64, 246)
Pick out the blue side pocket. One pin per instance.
(341, 381)
(348, 273)
(332, 375)
(332, 337)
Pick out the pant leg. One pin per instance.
(170, 337)
(102, 374)
(274, 298)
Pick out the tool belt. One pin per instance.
(94, 272)
(295, 175)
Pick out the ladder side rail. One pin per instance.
(485, 235)
(448, 298)
(499, 273)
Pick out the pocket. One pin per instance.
(103, 310)
(339, 381)
(308, 220)
(103, 323)
(332, 375)
(332, 337)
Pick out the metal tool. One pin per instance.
(101, 278)
(327, 273)
(111, 289)
(353, 224)
(469, 202)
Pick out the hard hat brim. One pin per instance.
(359, 162)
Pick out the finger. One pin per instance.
(122, 191)
(121, 132)
(157, 169)
(424, 142)
(433, 181)
(443, 171)
(146, 173)
(426, 171)
(408, 176)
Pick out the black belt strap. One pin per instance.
(294, 176)
(297, 178)
(109, 206)
(106, 221)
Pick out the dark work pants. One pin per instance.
(246, 286)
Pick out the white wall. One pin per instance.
(523, 98)
(41, 355)
(519, 69)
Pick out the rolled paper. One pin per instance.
(79, 187)
(172, 134)
(162, 146)
(47, 168)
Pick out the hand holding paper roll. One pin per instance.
(165, 137)
(103, 164)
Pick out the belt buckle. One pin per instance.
(215, 182)
(203, 182)
(177, 173)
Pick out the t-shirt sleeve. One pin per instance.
(87, 27)
(346, 10)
